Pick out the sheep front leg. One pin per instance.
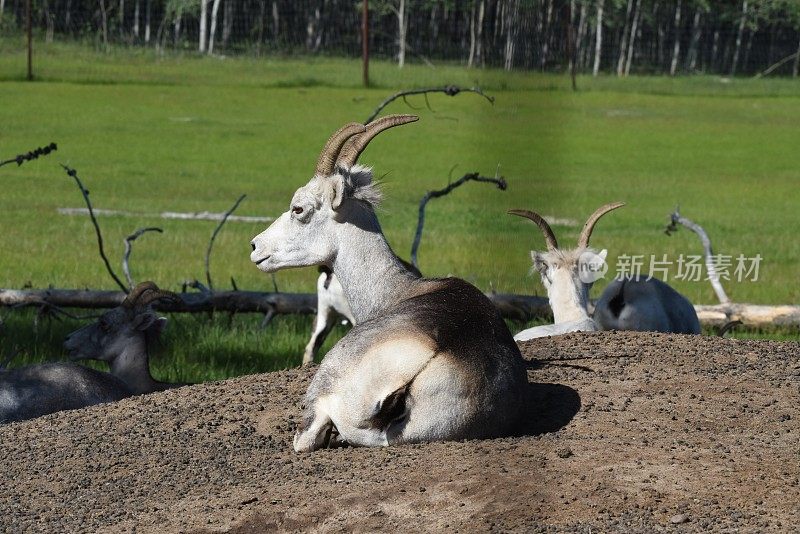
(323, 324)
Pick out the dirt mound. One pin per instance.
(641, 432)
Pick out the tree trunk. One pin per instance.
(748, 46)
(511, 29)
(262, 15)
(715, 51)
(434, 26)
(499, 21)
(3, 7)
(121, 18)
(311, 27)
(227, 23)
(676, 49)
(275, 20)
(136, 16)
(401, 34)
(176, 27)
(546, 33)
(623, 43)
(691, 55)
(67, 13)
(656, 32)
(104, 23)
(48, 19)
(632, 40)
(582, 23)
(472, 37)
(572, 58)
(479, 41)
(203, 39)
(213, 31)
(796, 66)
(739, 35)
(147, 22)
(598, 39)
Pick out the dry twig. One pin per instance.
(713, 277)
(128, 248)
(449, 90)
(214, 236)
(33, 154)
(499, 181)
(85, 193)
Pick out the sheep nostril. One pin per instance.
(253, 245)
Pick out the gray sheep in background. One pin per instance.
(120, 337)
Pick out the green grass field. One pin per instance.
(181, 133)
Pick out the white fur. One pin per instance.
(568, 295)
(331, 304)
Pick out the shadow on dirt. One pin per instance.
(549, 407)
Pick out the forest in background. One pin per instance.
(621, 37)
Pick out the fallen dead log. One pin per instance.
(224, 301)
(516, 307)
(752, 315)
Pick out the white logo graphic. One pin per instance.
(592, 267)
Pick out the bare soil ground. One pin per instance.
(636, 432)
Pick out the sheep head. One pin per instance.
(130, 322)
(568, 274)
(341, 192)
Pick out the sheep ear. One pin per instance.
(539, 263)
(338, 191)
(160, 325)
(145, 320)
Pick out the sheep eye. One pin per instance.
(297, 210)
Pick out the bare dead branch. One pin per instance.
(727, 327)
(51, 310)
(85, 192)
(675, 220)
(776, 65)
(274, 283)
(449, 90)
(500, 182)
(33, 154)
(516, 307)
(214, 236)
(194, 284)
(128, 248)
(268, 317)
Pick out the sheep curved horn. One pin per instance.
(327, 158)
(157, 294)
(356, 144)
(549, 236)
(137, 292)
(586, 233)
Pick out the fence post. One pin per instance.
(365, 42)
(30, 40)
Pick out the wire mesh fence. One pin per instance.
(617, 36)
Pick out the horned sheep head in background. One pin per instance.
(117, 329)
(568, 274)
